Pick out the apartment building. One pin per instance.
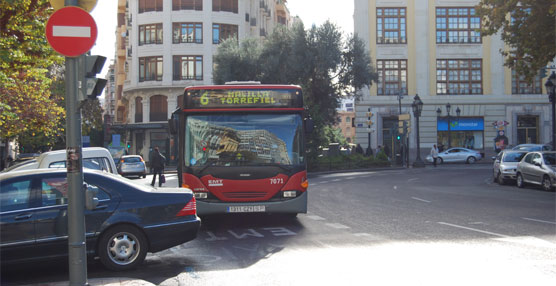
(164, 46)
(346, 114)
(432, 48)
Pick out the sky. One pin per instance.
(105, 17)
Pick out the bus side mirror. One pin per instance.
(309, 125)
(173, 124)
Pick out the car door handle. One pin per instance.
(23, 216)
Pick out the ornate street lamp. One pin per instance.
(550, 89)
(417, 107)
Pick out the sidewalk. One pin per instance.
(114, 281)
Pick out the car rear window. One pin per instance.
(132, 160)
(514, 157)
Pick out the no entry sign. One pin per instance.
(71, 31)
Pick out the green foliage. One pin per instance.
(28, 68)
(346, 162)
(528, 27)
(326, 65)
(333, 135)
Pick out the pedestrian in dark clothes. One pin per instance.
(157, 164)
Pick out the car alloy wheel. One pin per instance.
(122, 247)
(546, 183)
(471, 160)
(519, 181)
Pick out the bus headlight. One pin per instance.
(202, 195)
(290, 194)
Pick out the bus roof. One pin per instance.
(244, 86)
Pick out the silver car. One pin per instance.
(132, 165)
(537, 168)
(457, 154)
(505, 165)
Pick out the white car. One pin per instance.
(457, 155)
(96, 158)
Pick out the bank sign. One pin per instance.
(463, 124)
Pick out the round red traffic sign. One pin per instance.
(71, 31)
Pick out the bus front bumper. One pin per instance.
(296, 205)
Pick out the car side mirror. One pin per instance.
(537, 163)
(173, 123)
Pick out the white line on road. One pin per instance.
(538, 220)
(421, 200)
(315, 217)
(350, 178)
(473, 229)
(337, 225)
(336, 180)
(412, 179)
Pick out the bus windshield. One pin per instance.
(244, 140)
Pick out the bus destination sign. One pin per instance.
(243, 98)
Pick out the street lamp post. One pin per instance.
(417, 107)
(550, 89)
(448, 108)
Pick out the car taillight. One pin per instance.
(189, 209)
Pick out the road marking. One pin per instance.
(421, 200)
(315, 217)
(324, 182)
(538, 220)
(337, 225)
(412, 179)
(350, 178)
(336, 180)
(473, 229)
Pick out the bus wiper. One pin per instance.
(283, 167)
(209, 164)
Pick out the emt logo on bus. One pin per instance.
(237, 98)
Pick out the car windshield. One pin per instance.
(132, 160)
(513, 157)
(241, 140)
(550, 159)
(527, 147)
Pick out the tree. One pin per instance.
(27, 71)
(528, 29)
(327, 67)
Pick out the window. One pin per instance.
(187, 5)
(188, 33)
(150, 34)
(520, 86)
(392, 77)
(457, 25)
(459, 76)
(159, 108)
(390, 26)
(348, 119)
(224, 6)
(15, 196)
(188, 68)
(150, 69)
(150, 5)
(221, 32)
(54, 191)
(138, 109)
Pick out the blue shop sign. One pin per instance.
(463, 124)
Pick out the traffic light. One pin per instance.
(90, 66)
(128, 145)
(370, 122)
(369, 114)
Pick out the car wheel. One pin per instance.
(500, 179)
(519, 181)
(144, 176)
(122, 247)
(471, 160)
(546, 183)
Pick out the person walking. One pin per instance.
(434, 154)
(157, 164)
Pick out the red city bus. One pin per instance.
(241, 148)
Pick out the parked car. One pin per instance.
(130, 220)
(537, 168)
(457, 155)
(132, 165)
(96, 158)
(505, 165)
(533, 147)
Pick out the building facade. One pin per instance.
(164, 46)
(432, 48)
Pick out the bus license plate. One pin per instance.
(246, 209)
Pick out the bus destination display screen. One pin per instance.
(243, 98)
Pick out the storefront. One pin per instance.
(467, 132)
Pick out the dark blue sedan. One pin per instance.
(129, 221)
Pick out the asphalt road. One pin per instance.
(435, 226)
